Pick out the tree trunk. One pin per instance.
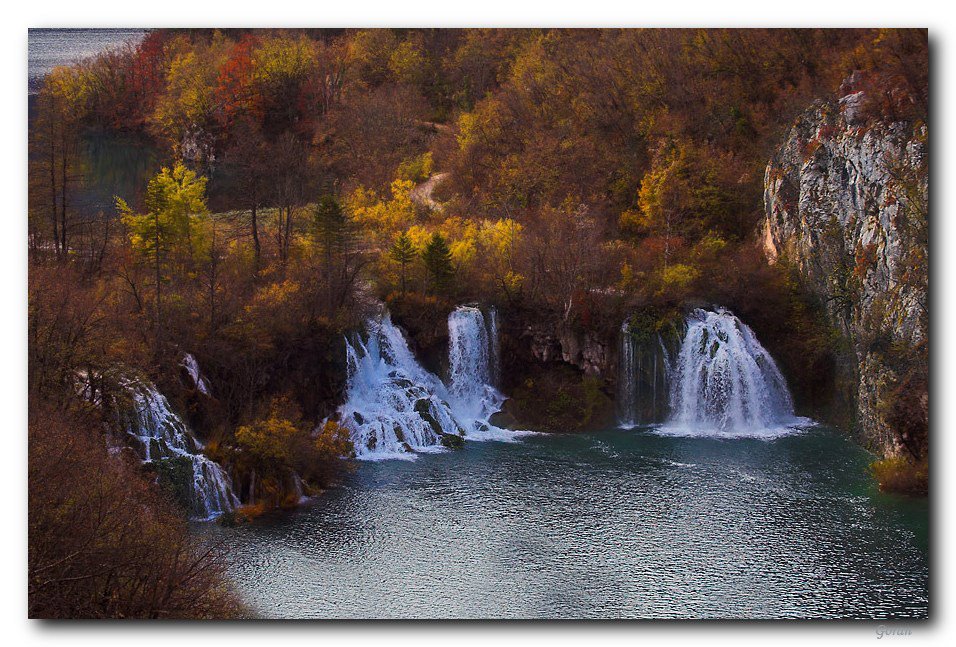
(159, 316)
(63, 180)
(255, 236)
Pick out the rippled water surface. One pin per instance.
(618, 524)
(51, 47)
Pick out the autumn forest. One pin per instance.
(216, 215)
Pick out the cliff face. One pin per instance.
(557, 378)
(588, 351)
(846, 205)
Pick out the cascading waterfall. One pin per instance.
(393, 405)
(192, 368)
(162, 435)
(725, 383)
(395, 408)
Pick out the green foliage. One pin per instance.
(646, 324)
(438, 260)
(404, 253)
(172, 237)
(281, 63)
(679, 276)
(175, 210)
(402, 250)
(331, 225)
(417, 169)
(175, 476)
(407, 63)
(370, 53)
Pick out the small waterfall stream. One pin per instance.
(494, 349)
(192, 368)
(162, 435)
(471, 365)
(643, 373)
(395, 408)
(725, 383)
(627, 382)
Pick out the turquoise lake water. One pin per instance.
(617, 524)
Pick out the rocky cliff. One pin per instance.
(846, 200)
(589, 351)
(558, 378)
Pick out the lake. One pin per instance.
(111, 164)
(49, 48)
(617, 524)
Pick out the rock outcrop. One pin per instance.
(557, 377)
(588, 350)
(846, 201)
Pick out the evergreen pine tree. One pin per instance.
(438, 260)
(334, 231)
(403, 253)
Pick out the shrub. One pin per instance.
(280, 446)
(902, 475)
(416, 169)
(103, 543)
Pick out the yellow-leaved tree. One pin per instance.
(383, 218)
(168, 236)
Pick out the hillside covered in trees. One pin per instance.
(249, 197)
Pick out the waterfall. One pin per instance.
(192, 368)
(472, 361)
(725, 383)
(395, 408)
(494, 358)
(643, 370)
(162, 435)
(627, 382)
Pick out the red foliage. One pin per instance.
(234, 91)
(148, 74)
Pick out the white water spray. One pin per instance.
(724, 383)
(395, 408)
(473, 358)
(470, 365)
(162, 435)
(192, 367)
